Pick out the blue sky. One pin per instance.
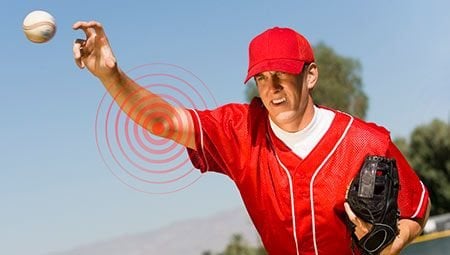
(55, 190)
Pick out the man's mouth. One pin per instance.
(278, 101)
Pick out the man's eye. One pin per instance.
(260, 78)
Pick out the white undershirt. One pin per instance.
(303, 142)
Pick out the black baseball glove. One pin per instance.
(372, 196)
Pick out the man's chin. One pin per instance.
(284, 117)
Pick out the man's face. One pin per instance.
(284, 95)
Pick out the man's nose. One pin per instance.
(275, 84)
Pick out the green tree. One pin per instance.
(340, 82)
(339, 85)
(402, 145)
(429, 154)
(237, 246)
(260, 251)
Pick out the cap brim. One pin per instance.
(281, 65)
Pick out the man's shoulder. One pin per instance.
(236, 114)
(255, 107)
(369, 135)
(371, 127)
(357, 122)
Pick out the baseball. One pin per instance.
(39, 26)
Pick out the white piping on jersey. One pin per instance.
(291, 188)
(311, 184)
(291, 192)
(200, 127)
(422, 197)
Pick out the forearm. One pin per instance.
(131, 97)
(408, 230)
(147, 109)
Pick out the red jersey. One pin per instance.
(297, 204)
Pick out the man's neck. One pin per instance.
(299, 123)
(304, 141)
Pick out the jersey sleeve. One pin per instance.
(220, 137)
(413, 195)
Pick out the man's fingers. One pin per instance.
(77, 52)
(361, 227)
(351, 215)
(95, 41)
(98, 28)
(83, 47)
(89, 27)
(78, 45)
(83, 25)
(77, 25)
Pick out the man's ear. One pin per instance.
(312, 75)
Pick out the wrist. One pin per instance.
(408, 230)
(113, 77)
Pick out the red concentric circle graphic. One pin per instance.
(137, 158)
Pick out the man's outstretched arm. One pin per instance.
(144, 107)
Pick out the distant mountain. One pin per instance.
(190, 237)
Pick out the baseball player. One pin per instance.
(292, 160)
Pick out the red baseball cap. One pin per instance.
(278, 49)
